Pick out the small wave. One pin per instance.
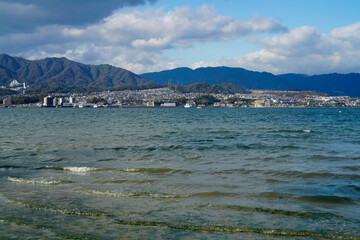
(132, 194)
(43, 207)
(293, 131)
(130, 181)
(39, 181)
(80, 169)
(156, 170)
(213, 194)
(238, 229)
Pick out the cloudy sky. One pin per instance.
(278, 36)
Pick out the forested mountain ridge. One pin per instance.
(55, 73)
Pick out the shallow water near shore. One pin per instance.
(210, 173)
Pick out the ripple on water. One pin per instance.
(38, 181)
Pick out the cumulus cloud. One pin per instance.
(135, 39)
(305, 50)
(26, 15)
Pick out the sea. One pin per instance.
(176, 173)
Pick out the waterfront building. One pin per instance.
(55, 102)
(168, 104)
(48, 101)
(60, 101)
(72, 99)
(7, 102)
(267, 103)
(150, 104)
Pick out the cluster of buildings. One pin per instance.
(165, 97)
(50, 101)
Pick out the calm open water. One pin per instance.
(179, 173)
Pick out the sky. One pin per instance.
(277, 36)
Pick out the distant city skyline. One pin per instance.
(280, 36)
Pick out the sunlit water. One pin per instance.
(179, 173)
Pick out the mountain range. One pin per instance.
(55, 74)
(333, 84)
(59, 73)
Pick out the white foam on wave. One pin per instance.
(307, 131)
(40, 181)
(132, 194)
(80, 170)
(108, 193)
(130, 170)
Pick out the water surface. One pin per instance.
(180, 173)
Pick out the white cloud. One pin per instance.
(135, 39)
(304, 50)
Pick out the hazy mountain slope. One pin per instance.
(217, 75)
(333, 84)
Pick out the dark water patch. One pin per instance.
(120, 148)
(203, 141)
(353, 187)
(19, 149)
(302, 214)
(326, 157)
(174, 147)
(150, 149)
(12, 167)
(352, 168)
(238, 229)
(222, 131)
(106, 160)
(19, 222)
(271, 180)
(254, 146)
(55, 160)
(311, 175)
(225, 137)
(236, 171)
(214, 147)
(49, 167)
(327, 199)
(112, 148)
(274, 195)
(289, 147)
(213, 194)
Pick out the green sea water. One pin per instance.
(154, 173)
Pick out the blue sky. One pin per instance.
(279, 36)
